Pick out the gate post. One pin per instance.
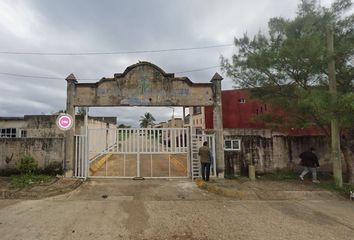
(69, 134)
(218, 125)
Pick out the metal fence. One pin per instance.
(147, 152)
(81, 156)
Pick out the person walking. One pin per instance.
(205, 161)
(310, 162)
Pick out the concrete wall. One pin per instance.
(172, 123)
(44, 150)
(142, 84)
(43, 126)
(12, 123)
(269, 151)
(37, 126)
(175, 123)
(92, 123)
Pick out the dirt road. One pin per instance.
(170, 209)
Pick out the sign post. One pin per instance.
(64, 122)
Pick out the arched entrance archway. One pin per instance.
(143, 84)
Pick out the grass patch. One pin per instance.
(325, 178)
(231, 176)
(345, 190)
(23, 180)
(279, 175)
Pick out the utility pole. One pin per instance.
(335, 138)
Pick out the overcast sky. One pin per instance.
(104, 26)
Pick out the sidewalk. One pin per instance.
(244, 189)
(37, 191)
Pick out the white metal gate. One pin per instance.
(197, 141)
(81, 156)
(133, 152)
(140, 152)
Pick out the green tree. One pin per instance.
(147, 120)
(123, 126)
(288, 67)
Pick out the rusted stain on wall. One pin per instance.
(143, 84)
(44, 150)
(271, 152)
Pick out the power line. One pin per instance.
(91, 79)
(41, 77)
(28, 76)
(113, 52)
(199, 69)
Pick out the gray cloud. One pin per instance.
(96, 26)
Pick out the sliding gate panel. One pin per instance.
(142, 152)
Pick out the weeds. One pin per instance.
(279, 175)
(345, 190)
(30, 174)
(325, 178)
(23, 180)
(27, 165)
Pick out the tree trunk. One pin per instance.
(349, 160)
(347, 147)
(335, 137)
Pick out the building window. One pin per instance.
(198, 131)
(232, 145)
(8, 132)
(197, 110)
(23, 133)
(242, 100)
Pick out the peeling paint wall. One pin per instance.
(271, 152)
(143, 84)
(43, 126)
(44, 150)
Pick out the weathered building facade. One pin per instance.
(171, 123)
(39, 137)
(248, 141)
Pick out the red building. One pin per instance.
(239, 112)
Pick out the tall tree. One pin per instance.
(147, 120)
(288, 67)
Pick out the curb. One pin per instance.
(266, 195)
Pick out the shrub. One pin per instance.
(53, 169)
(27, 165)
(8, 172)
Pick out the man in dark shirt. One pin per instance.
(205, 160)
(309, 161)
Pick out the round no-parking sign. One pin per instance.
(64, 121)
